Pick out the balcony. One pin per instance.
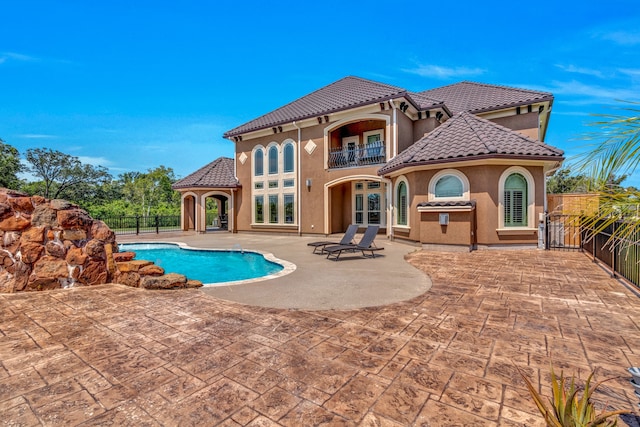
(354, 155)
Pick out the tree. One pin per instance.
(64, 175)
(563, 181)
(10, 166)
(607, 165)
(151, 192)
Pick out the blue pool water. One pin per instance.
(205, 266)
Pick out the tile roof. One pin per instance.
(217, 174)
(343, 94)
(466, 136)
(479, 97)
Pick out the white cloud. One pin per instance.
(95, 161)
(626, 38)
(580, 70)
(632, 72)
(439, 72)
(594, 93)
(4, 56)
(35, 136)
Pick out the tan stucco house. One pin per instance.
(462, 165)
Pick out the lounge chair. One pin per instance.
(346, 240)
(364, 245)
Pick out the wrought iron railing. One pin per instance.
(357, 155)
(142, 224)
(622, 258)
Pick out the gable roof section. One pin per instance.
(467, 137)
(346, 93)
(479, 97)
(217, 174)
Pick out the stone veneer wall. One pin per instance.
(49, 244)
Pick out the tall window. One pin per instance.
(368, 203)
(274, 196)
(288, 157)
(273, 208)
(401, 200)
(515, 201)
(288, 208)
(259, 209)
(258, 162)
(273, 160)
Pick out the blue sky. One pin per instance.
(131, 85)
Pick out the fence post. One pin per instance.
(157, 225)
(547, 237)
(614, 250)
(137, 225)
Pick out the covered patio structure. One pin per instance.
(215, 180)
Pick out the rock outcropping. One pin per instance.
(49, 244)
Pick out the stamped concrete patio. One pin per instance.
(112, 355)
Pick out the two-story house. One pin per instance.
(462, 165)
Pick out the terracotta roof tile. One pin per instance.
(466, 136)
(478, 97)
(217, 174)
(345, 93)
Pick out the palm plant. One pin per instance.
(616, 156)
(567, 408)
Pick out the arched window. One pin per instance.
(288, 157)
(401, 201)
(449, 186)
(258, 162)
(515, 201)
(273, 160)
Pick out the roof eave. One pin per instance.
(231, 133)
(382, 171)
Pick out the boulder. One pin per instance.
(21, 204)
(94, 273)
(46, 274)
(134, 265)
(73, 218)
(56, 249)
(151, 270)
(15, 223)
(44, 215)
(30, 252)
(193, 284)
(95, 249)
(123, 256)
(33, 234)
(5, 210)
(100, 231)
(167, 281)
(129, 278)
(74, 234)
(61, 204)
(76, 256)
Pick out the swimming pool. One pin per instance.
(210, 266)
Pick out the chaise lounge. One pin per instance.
(365, 244)
(347, 239)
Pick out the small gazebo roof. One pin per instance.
(217, 174)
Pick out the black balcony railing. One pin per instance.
(142, 224)
(357, 155)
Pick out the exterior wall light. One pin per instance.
(308, 183)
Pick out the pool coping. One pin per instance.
(287, 266)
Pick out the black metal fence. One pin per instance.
(142, 224)
(565, 232)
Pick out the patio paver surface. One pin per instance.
(112, 355)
